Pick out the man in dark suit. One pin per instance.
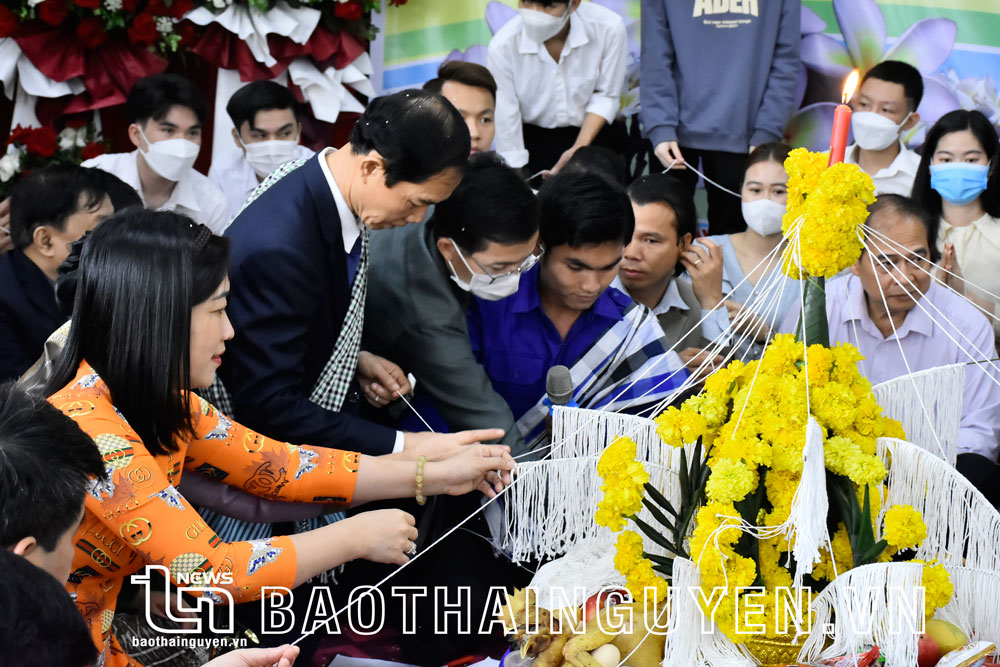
(298, 271)
(50, 209)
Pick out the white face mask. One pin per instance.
(763, 216)
(873, 131)
(266, 156)
(170, 158)
(485, 287)
(539, 26)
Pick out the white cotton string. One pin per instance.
(885, 239)
(940, 323)
(687, 165)
(414, 411)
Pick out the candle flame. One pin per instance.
(850, 86)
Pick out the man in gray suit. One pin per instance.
(477, 242)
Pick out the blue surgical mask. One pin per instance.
(959, 182)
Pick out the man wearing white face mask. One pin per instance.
(884, 108)
(422, 279)
(560, 68)
(167, 113)
(266, 129)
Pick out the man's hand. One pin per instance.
(440, 446)
(745, 322)
(282, 656)
(380, 379)
(6, 243)
(703, 262)
(669, 153)
(700, 362)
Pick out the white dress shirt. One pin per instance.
(534, 88)
(237, 179)
(194, 195)
(350, 233)
(714, 322)
(926, 339)
(897, 178)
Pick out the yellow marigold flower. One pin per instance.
(628, 552)
(623, 487)
(730, 481)
(668, 428)
(725, 381)
(615, 456)
(774, 575)
(938, 588)
(904, 527)
(641, 577)
(844, 457)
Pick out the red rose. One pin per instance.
(42, 141)
(349, 11)
(19, 135)
(129, 5)
(8, 22)
(53, 12)
(180, 8)
(188, 33)
(91, 32)
(88, 4)
(92, 149)
(157, 7)
(76, 123)
(143, 29)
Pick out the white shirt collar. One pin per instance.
(184, 193)
(671, 297)
(905, 162)
(350, 232)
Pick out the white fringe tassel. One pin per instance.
(581, 432)
(973, 607)
(872, 604)
(551, 507)
(688, 645)
(963, 528)
(806, 524)
(929, 406)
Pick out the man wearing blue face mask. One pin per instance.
(167, 113)
(957, 182)
(560, 68)
(422, 278)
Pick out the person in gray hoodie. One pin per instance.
(718, 78)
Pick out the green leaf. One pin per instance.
(652, 533)
(813, 327)
(684, 474)
(658, 515)
(659, 499)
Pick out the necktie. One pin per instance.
(353, 259)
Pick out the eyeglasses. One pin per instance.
(526, 265)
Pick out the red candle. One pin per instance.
(842, 120)
(838, 139)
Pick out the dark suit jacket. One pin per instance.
(28, 313)
(289, 293)
(415, 315)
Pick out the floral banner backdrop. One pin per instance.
(954, 43)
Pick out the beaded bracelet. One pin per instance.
(421, 498)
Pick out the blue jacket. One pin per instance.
(28, 314)
(720, 81)
(289, 293)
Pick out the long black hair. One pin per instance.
(138, 276)
(956, 121)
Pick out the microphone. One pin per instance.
(559, 386)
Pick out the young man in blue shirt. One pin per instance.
(565, 312)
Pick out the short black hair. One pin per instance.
(908, 208)
(549, 3)
(772, 151)
(668, 190)
(122, 194)
(492, 204)
(46, 466)
(417, 133)
(905, 74)
(139, 275)
(39, 623)
(584, 209)
(459, 71)
(259, 96)
(598, 160)
(152, 97)
(985, 133)
(49, 196)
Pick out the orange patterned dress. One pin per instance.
(137, 516)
